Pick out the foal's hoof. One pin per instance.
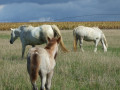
(95, 51)
(82, 50)
(105, 51)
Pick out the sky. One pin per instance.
(59, 10)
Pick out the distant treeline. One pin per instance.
(64, 25)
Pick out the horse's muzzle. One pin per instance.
(11, 42)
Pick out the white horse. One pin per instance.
(30, 35)
(89, 34)
(41, 61)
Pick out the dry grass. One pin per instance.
(73, 71)
(64, 25)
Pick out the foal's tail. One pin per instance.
(34, 66)
(104, 38)
(58, 34)
(75, 41)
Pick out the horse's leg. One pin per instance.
(43, 80)
(48, 81)
(96, 43)
(103, 44)
(81, 43)
(23, 50)
(34, 85)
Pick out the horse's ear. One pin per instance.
(11, 29)
(58, 40)
(48, 39)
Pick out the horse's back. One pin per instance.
(36, 35)
(89, 33)
(45, 64)
(81, 31)
(41, 51)
(31, 36)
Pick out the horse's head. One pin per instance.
(53, 41)
(14, 35)
(53, 45)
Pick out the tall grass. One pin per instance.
(73, 70)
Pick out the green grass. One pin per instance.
(4, 36)
(73, 70)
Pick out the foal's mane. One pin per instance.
(51, 43)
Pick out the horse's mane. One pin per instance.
(95, 27)
(50, 44)
(23, 27)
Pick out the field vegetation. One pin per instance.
(64, 25)
(73, 71)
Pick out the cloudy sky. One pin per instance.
(59, 10)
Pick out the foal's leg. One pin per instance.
(103, 44)
(81, 43)
(34, 85)
(48, 81)
(43, 81)
(96, 43)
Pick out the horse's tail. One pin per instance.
(34, 66)
(105, 41)
(58, 34)
(75, 40)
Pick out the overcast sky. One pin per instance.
(59, 10)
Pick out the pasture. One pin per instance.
(73, 71)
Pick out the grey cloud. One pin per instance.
(24, 12)
(34, 1)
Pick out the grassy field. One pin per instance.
(73, 71)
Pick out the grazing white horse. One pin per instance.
(41, 61)
(89, 34)
(30, 35)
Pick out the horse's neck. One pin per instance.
(52, 52)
